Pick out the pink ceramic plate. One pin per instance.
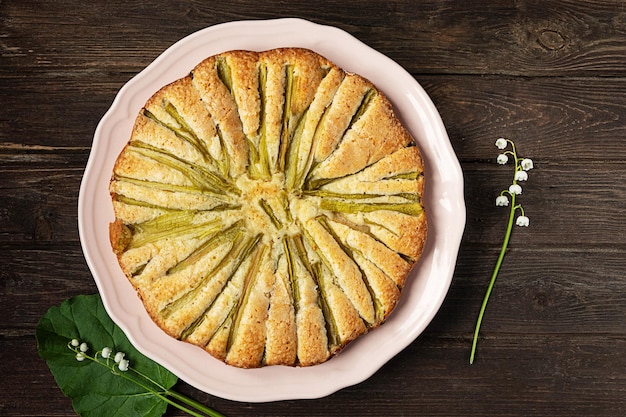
(429, 281)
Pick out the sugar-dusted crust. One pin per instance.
(268, 207)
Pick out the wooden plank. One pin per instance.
(33, 281)
(558, 199)
(555, 38)
(37, 111)
(571, 290)
(547, 39)
(513, 377)
(558, 119)
(38, 206)
(564, 120)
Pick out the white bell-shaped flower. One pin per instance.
(119, 356)
(123, 365)
(502, 201)
(527, 164)
(521, 175)
(106, 352)
(501, 143)
(515, 189)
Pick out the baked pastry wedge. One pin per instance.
(268, 207)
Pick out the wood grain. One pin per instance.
(551, 38)
(551, 75)
(575, 121)
(511, 378)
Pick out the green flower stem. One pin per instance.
(195, 404)
(164, 393)
(512, 192)
(496, 270)
(163, 396)
(180, 397)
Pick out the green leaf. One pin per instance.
(93, 388)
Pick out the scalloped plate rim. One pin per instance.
(429, 281)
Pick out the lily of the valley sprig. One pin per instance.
(82, 349)
(119, 365)
(507, 198)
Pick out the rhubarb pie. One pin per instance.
(268, 207)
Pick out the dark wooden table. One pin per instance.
(549, 74)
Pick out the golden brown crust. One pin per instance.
(268, 207)
(119, 236)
